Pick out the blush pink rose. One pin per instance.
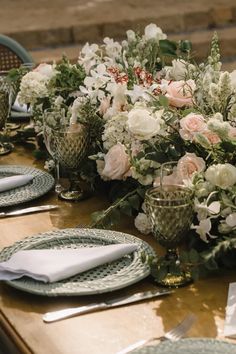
(232, 131)
(191, 124)
(117, 164)
(212, 137)
(188, 165)
(180, 93)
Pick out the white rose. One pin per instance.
(179, 69)
(142, 124)
(233, 78)
(45, 70)
(142, 223)
(153, 32)
(221, 175)
(131, 36)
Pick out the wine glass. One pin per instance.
(5, 104)
(71, 145)
(169, 208)
(49, 142)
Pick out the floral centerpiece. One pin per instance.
(147, 102)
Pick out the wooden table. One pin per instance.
(107, 331)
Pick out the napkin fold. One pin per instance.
(7, 183)
(18, 107)
(53, 265)
(230, 320)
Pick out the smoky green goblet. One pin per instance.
(71, 145)
(170, 211)
(5, 147)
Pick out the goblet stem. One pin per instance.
(74, 192)
(178, 277)
(58, 186)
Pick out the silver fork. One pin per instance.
(174, 334)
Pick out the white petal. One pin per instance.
(214, 207)
(231, 220)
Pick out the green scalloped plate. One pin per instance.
(189, 346)
(109, 277)
(40, 185)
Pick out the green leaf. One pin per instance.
(163, 101)
(141, 192)
(183, 257)
(168, 47)
(185, 46)
(126, 208)
(134, 201)
(193, 256)
(211, 264)
(114, 216)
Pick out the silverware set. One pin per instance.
(29, 210)
(174, 334)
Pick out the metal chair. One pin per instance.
(12, 54)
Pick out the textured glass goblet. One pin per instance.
(5, 147)
(71, 145)
(170, 211)
(49, 140)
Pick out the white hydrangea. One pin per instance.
(142, 223)
(115, 131)
(33, 85)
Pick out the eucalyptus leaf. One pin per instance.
(168, 47)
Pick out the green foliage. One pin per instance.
(68, 79)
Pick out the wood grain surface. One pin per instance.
(104, 332)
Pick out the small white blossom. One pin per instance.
(142, 223)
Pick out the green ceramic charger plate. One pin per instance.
(189, 346)
(40, 185)
(105, 278)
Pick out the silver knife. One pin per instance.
(124, 300)
(28, 210)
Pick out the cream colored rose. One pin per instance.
(117, 164)
(153, 32)
(233, 78)
(180, 93)
(221, 175)
(142, 124)
(191, 124)
(179, 69)
(189, 164)
(45, 70)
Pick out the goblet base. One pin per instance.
(6, 148)
(176, 280)
(73, 196)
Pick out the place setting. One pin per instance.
(135, 142)
(20, 184)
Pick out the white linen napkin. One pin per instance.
(18, 107)
(12, 182)
(52, 265)
(230, 320)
